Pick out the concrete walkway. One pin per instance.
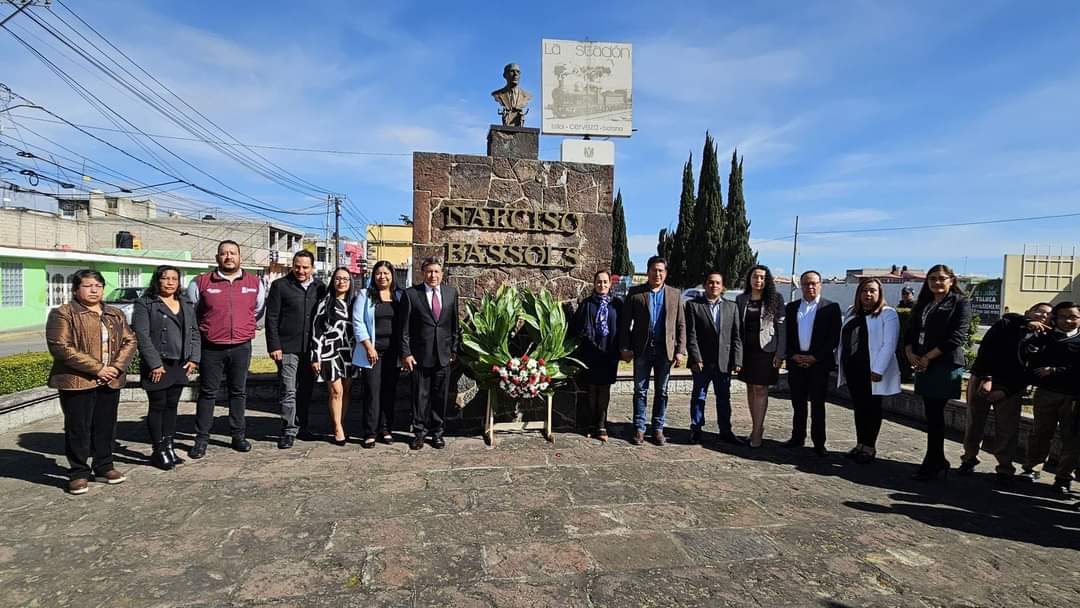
(572, 524)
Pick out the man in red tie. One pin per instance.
(430, 334)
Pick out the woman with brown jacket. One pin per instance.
(91, 345)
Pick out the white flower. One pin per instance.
(515, 363)
(531, 364)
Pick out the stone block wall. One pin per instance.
(442, 180)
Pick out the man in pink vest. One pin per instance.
(228, 302)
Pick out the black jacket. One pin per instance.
(946, 329)
(432, 343)
(826, 334)
(290, 310)
(1003, 354)
(709, 345)
(600, 354)
(159, 335)
(1055, 350)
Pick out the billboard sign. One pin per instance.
(587, 88)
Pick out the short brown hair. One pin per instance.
(430, 261)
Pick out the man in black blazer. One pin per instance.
(430, 334)
(813, 333)
(290, 310)
(714, 342)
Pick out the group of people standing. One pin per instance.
(331, 334)
(753, 337)
(335, 335)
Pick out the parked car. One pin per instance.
(124, 299)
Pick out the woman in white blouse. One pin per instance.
(867, 363)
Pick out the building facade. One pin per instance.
(1036, 276)
(393, 243)
(34, 281)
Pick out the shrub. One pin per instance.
(24, 371)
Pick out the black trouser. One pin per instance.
(864, 402)
(430, 387)
(161, 415)
(867, 416)
(89, 429)
(808, 384)
(380, 394)
(935, 431)
(231, 360)
(599, 399)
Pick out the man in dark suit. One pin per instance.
(429, 341)
(652, 334)
(714, 342)
(812, 337)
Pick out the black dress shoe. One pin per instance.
(438, 443)
(198, 450)
(929, 472)
(172, 451)
(794, 443)
(285, 442)
(695, 435)
(967, 467)
(241, 444)
(417, 443)
(821, 451)
(729, 437)
(161, 458)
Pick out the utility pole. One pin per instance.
(337, 229)
(794, 255)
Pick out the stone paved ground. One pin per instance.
(529, 524)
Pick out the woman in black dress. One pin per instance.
(374, 323)
(169, 349)
(596, 321)
(332, 345)
(934, 345)
(763, 337)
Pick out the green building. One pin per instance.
(33, 281)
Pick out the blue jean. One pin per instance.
(721, 383)
(659, 367)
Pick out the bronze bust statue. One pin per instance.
(512, 98)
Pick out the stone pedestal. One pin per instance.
(498, 220)
(513, 142)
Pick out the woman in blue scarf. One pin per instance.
(596, 321)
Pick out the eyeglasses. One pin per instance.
(342, 279)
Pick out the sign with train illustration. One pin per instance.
(587, 88)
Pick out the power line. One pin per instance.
(228, 135)
(949, 225)
(225, 143)
(176, 115)
(186, 201)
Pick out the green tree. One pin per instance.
(620, 250)
(680, 241)
(707, 236)
(737, 256)
(665, 243)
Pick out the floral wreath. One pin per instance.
(493, 335)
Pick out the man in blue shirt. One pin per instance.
(653, 336)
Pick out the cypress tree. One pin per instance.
(738, 257)
(707, 236)
(620, 250)
(681, 245)
(665, 244)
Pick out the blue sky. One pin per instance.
(850, 114)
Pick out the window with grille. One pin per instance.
(11, 284)
(1047, 273)
(129, 277)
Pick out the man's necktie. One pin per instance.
(436, 305)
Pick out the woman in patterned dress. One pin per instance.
(332, 344)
